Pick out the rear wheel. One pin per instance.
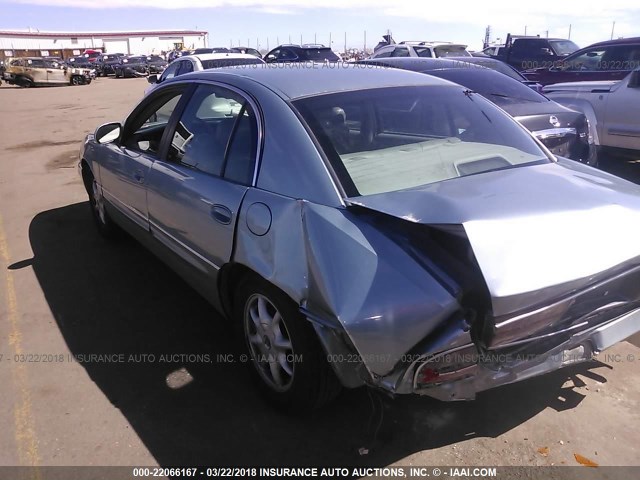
(286, 357)
(76, 80)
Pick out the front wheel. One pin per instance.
(286, 357)
(75, 80)
(106, 226)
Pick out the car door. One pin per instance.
(621, 127)
(194, 195)
(125, 166)
(35, 69)
(55, 73)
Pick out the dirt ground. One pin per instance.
(66, 294)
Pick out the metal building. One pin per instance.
(34, 43)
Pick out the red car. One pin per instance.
(610, 60)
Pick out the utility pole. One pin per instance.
(365, 42)
(487, 37)
(569, 32)
(345, 42)
(330, 42)
(613, 27)
(278, 40)
(300, 39)
(289, 39)
(268, 44)
(547, 32)
(315, 38)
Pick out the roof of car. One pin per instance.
(221, 56)
(298, 80)
(617, 41)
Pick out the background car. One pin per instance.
(132, 66)
(249, 50)
(196, 63)
(610, 60)
(564, 132)
(371, 227)
(611, 107)
(499, 66)
(301, 53)
(527, 52)
(106, 62)
(36, 72)
(202, 51)
(422, 49)
(156, 64)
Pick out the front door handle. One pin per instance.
(221, 214)
(138, 176)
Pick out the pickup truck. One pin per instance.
(610, 106)
(525, 53)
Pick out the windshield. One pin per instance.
(230, 62)
(563, 47)
(134, 60)
(394, 138)
(318, 54)
(155, 58)
(451, 51)
(499, 89)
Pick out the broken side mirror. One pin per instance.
(152, 79)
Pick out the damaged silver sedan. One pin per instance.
(372, 227)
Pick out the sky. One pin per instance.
(267, 22)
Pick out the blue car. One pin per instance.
(371, 226)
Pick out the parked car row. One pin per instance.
(375, 226)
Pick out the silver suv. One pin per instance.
(422, 49)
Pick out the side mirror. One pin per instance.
(107, 133)
(634, 80)
(271, 58)
(152, 79)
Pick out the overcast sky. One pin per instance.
(270, 21)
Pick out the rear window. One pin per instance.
(395, 138)
(451, 51)
(563, 47)
(500, 89)
(318, 55)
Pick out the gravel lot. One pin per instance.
(66, 294)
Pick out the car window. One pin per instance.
(451, 51)
(36, 63)
(528, 46)
(423, 52)
(589, 60)
(286, 54)
(170, 71)
(563, 47)
(144, 131)
(203, 135)
(621, 57)
(383, 52)
(400, 52)
(185, 67)
(405, 137)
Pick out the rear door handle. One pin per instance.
(221, 214)
(138, 176)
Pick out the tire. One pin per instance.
(106, 227)
(594, 156)
(75, 80)
(286, 359)
(88, 81)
